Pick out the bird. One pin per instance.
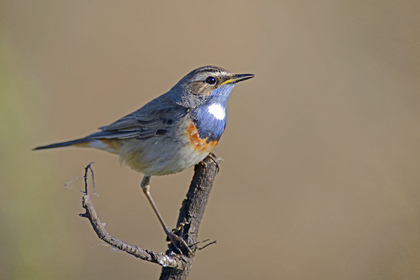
(172, 132)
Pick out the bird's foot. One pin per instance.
(214, 158)
(178, 242)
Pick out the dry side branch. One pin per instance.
(175, 265)
(99, 227)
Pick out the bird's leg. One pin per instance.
(145, 185)
(213, 157)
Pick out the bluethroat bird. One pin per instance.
(172, 132)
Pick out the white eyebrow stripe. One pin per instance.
(217, 110)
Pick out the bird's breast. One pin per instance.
(199, 144)
(206, 127)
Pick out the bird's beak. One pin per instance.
(238, 78)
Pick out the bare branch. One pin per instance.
(162, 259)
(174, 265)
(192, 211)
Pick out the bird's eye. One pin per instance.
(211, 80)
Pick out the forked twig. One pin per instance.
(174, 266)
(162, 259)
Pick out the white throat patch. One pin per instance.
(217, 111)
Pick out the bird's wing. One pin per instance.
(149, 121)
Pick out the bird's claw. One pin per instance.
(175, 240)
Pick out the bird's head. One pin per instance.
(207, 84)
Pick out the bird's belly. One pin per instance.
(162, 156)
(171, 153)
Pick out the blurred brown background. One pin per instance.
(321, 172)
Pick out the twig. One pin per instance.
(174, 266)
(162, 259)
(208, 244)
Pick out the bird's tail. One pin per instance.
(64, 144)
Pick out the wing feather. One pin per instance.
(152, 120)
